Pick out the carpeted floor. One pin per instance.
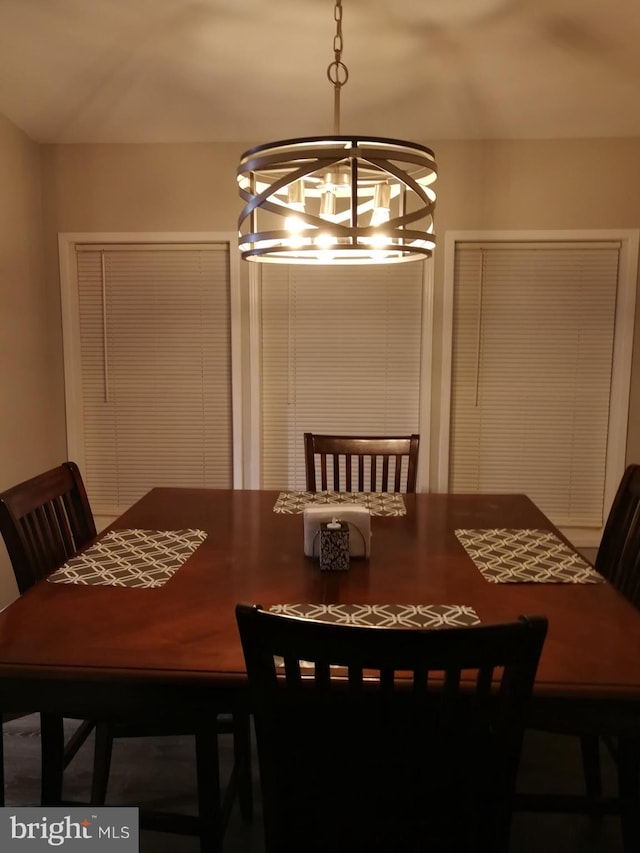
(159, 773)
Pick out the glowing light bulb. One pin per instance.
(294, 226)
(325, 241)
(293, 223)
(378, 241)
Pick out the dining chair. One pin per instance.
(618, 560)
(618, 557)
(348, 463)
(384, 739)
(44, 521)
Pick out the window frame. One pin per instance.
(67, 243)
(254, 377)
(622, 348)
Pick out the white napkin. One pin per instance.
(357, 517)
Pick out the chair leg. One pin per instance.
(103, 749)
(52, 752)
(242, 760)
(590, 750)
(208, 777)
(629, 792)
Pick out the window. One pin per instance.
(535, 374)
(154, 375)
(341, 353)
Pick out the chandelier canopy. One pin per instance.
(337, 199)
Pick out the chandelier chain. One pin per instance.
(337, 72)
(337, 39)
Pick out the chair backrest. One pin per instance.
(44, 521)
(618, 557)
(385, 739)
(381, 462)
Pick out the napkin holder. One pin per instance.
(357, 517)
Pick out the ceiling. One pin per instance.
(255, 70)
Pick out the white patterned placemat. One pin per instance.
(525, 556)
(134, 558)
(385, 615)
(378, 503)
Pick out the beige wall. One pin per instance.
(482, 185)
(32, 423)
(141, 187)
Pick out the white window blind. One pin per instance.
(532, 357)
(340, 354)
(156, 369)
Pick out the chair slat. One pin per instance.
(292, 670)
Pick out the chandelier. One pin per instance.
(337, 199)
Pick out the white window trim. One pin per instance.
(67, 243)
(622, 351)
(255, 378)
(255, 385)
(426, 379)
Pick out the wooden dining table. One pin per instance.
(93, 649)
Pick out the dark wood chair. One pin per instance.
(618, 560)
(44, 521)
(385, 739)
(361, 464)
(618, 557)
